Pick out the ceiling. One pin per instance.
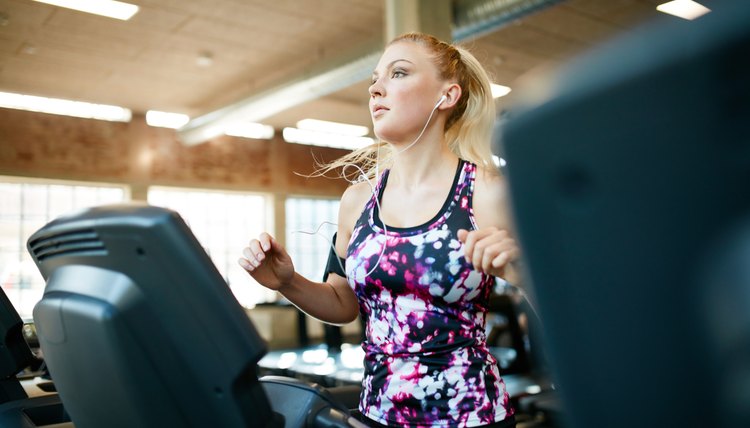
(158, 59)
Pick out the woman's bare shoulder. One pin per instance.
(356, 195)
(353, 202)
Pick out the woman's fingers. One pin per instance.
(473, 245)
(253, 254)
(267, 262)
(488, 249)
(265, 241)
(488, 245)
(245, 264)
(506, 257)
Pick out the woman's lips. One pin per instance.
(378, 110)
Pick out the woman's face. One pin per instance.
(405, 88)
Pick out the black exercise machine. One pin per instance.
(17, 408)
(139, 329)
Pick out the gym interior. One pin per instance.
(621, 128)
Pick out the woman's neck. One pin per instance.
(422, 165)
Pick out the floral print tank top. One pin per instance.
(424, 307)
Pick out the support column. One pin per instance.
(427, 16)
(278, 217)
(139, 192)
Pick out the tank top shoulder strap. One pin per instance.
(464, 191)
(377, 194)
(380, 185)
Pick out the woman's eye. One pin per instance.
(398, 73)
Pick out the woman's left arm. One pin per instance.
(492, 248)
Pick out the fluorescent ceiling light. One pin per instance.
(499, 90)
(108, 8)
(163, 119)
(333, 127)
(64, 107)
(685, 9)
(257, 131)
(325, 139)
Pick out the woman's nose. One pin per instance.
(375, 89)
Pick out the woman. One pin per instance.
(420, 248)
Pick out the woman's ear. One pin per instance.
(452, 94)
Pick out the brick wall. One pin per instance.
(60, 147)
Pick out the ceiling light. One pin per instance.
(64, 107)
(499, 90)
(204, 59)
(163, 119)
(257, 131)
(325, 139)
(333, 127)
(29, 49)
(108, 8)
(685, 9)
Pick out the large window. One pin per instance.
(26, 206)
(310, 225)
(223, 222)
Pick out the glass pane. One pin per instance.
(10, 194)
(60, 200)
(34, 202)
(26, 207)
(223, 223)
(310, 224)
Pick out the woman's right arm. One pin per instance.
(269, 264)
(332, 301)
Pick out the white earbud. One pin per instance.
(443, 98)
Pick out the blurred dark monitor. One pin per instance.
(19, 409)
(139, 329)
(15, 353)
(630, 185)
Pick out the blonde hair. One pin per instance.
(468, 130)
